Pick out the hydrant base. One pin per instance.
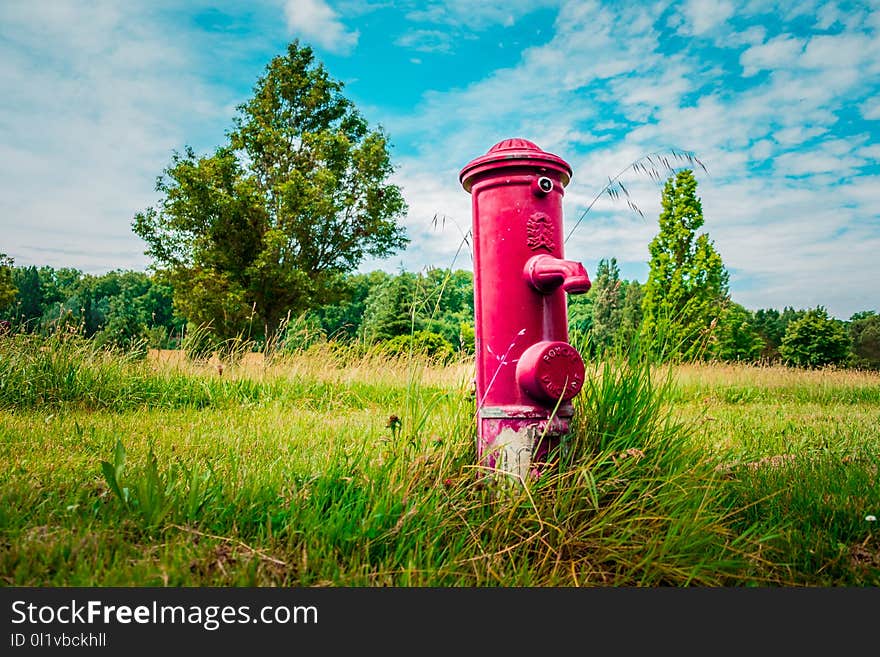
(519, 445)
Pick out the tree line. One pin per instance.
(258, 240)
(430, 310)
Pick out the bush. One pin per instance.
(433, 345)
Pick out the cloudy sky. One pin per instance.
(779, 100)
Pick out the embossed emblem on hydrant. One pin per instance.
(526, 372)
(540, 232)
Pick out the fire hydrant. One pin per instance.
(526, 371)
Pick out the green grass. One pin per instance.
(116, 471)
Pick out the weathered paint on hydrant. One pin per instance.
(526, 372)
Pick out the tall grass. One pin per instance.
(301, 480)
(72, 372)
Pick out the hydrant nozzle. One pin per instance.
(546, 273)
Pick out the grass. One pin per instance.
(117, 471)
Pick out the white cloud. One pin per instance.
(751, 36)
(317, 23)
(797, 134)
(702, 16)
(437, 223)
(95, 119)
(814, 162)
(101, 95)
(850, 51)
(779, 52)
(475, 15)
(761, 150)
(870, 109)
(426, 41)
(828, 15)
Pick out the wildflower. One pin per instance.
(394, 423)
(871, 518)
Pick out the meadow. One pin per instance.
(288, 471)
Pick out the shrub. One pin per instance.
(433, 345)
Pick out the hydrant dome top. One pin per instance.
(515, 152)
(515, 144)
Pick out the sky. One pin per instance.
(779, 100)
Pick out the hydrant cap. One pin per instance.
(514, 152)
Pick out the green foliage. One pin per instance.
(158, 494)
(771, 325)
(580, 315)
(612, 314)
(422, 343)
(393, 308)
(266, 225)
(607, 306)
(113, 472)
(687, 283)
(301, 333)
(7, 285)
(735, 338)
(630, 314)
(27, 308)
(119, 308)
(814, 340)
(343, 319)
(438, 301)
(864, 330)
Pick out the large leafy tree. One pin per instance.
(267, 224)
(814, 340)
(687, 284)
(736, 338)
(864, 329)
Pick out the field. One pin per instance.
(286, 471)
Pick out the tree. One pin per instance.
(630, 314)
(736, 338)
(29, 298)
(580, 316)
(771, 325)
(393, 308)
(343, 319)
(815, 340)
(126, 323)
(687, 283)
(864, 330)
(607, 306)
(7, 286)
(267, 224)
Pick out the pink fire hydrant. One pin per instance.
(526, 372)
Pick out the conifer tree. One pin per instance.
(687, 284)
(606, 306)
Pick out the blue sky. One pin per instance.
(779, 100)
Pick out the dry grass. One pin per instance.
(771, 376)
(322, 363)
